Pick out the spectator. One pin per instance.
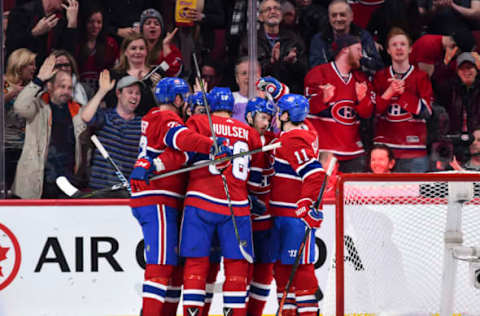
(118, 129)
(461, 99)
(403, 104)
(20, 71)
(281, 53)
(340, 95)
(96, 50)
(41, 26)
(443, 16)
(124, 17)
(133, 62)
(53, 126)
(340, 17)
(159, 43)
(241, 96)
(381, 159)
(474, 162)
(393, 13)
(65, 62)
(363, 9)
(311, 17)
(212, 73)
(431, 50)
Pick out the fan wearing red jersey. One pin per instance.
(403, 98)
(339, 96)
(156, 204)
(207, 210)
(295, 187)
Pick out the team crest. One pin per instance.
(396, 113)
(343, 112)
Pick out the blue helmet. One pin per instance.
(221, 99)
(168, 88)
(259, 105)
(296, 105)
(196, 99)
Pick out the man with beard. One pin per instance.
(339, 96)
(52, 146)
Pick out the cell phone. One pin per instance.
(161, 69)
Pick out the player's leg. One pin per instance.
(215, 258)
(305, 283)
(198, 227)
(262, 274)
(236, 267)
(174, 291)
(160, 232)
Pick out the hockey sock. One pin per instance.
(155, 288)
(259, 288)
(211, 278)
(194, 279)
(174, 290)
(306, 285)
(235, 287)
(282, 273)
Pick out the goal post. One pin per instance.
(397, 242)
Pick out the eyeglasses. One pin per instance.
(275, 8)
(59, 66)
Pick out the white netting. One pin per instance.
(394, 249)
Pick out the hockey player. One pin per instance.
(207, 211)
(295, 187)
(156, 204)
(259, 114)
(339, 96)
(403, 98)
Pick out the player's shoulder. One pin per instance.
(303, 134)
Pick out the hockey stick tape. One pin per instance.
(66, 186)
(99, 146)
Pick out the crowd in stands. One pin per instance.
(74, 68)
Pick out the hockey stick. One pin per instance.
(70, 190)
(73, 192)
(241, 243)
(105, 155)
(296, 263)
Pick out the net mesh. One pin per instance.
(394, 249)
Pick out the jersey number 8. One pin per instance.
(239, 164)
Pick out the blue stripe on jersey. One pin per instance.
(213, 200)
(234, 299)
(283, 168)
(154, 290)
(311, 166)
(171, 136)
(256, 176)
(174, 292)
(292, 206)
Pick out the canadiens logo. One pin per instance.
(10, 256)
(344, 113)
(396, 113)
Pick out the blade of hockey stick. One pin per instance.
(70, 190)
(331, 165)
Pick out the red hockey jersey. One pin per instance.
(162, 129)
(398, 121)
(298, 173)
(205, 187)
(337, 122)
(363, 9)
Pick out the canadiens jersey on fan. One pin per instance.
(162, 129)
(298, 173)
(399, 125)
(337, 122)
(363, 9)
(205, 187)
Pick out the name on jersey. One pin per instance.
(230, 131)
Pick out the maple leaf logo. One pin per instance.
(3, 256)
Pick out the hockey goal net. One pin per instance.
(406, 244)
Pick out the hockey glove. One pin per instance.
(223, 152)
(272, 86)
(312, 217)
(257, 206)
(141, 170)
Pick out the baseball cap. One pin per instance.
(127, 81)
(465, 57)
(344, 41)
